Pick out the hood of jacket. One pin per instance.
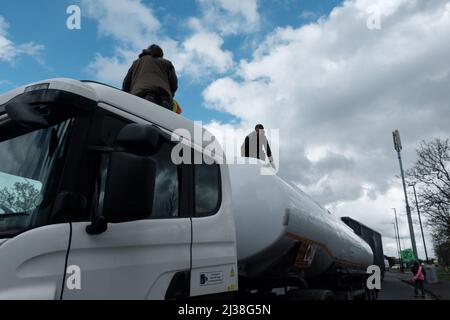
(145, 52)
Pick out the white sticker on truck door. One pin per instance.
(211, 278)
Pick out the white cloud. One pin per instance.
(33, 50)
(231, 16)
(111, 69)
(203, 51)
(337, 83)
(10, 51)
(129, 22)
(307, 15)
(133, 25)
(7, 50)
(336, 90)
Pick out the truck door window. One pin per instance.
(207, 189)
(27, 165)
(167, 182)
(166, 201)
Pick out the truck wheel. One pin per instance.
(371, 295)
(327, 295)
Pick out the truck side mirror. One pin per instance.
(130, 185)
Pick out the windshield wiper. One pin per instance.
(5, 209)
(12, 215)
(8, 213)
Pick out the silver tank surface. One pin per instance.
(272, 215)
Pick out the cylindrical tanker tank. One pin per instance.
(272, 217)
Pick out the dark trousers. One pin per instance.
(160, 99)
(418, 284)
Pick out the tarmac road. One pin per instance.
(392, 288)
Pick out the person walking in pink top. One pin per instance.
(418, 278)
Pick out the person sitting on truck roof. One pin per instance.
(254, 143)
(152, 77)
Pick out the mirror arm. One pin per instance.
(99, 223)
(98, 226)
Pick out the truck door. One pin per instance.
(147, 258)
(32, 252)
(214, 256)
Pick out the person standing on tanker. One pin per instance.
(254, 144)
(152, 77)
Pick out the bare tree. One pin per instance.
(431, 173)
(22, 197)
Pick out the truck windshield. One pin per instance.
(26, 165)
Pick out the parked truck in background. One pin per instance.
(88, 184)
(387, 266)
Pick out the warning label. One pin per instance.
(210, 278)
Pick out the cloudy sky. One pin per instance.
(335, 77)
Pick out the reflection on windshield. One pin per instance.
(18, 194)
(206, 189)
(165, 203)
(25, 165)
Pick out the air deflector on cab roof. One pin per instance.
(26, 114)
(42, 108)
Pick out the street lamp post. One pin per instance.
(420, 221)
(396, 242)
(399, 245)
(398, 148)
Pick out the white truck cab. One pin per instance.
(88, 190)
(93, 205)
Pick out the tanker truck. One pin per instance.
(94, 205)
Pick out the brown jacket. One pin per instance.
(149, 74)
